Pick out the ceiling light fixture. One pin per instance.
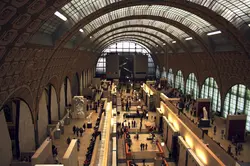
(189, 38)
(81, 30)
(214, 33)
(164, 44)
(58, 14)
(174, 41)
(249, 24)
(90, 37)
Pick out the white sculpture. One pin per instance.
(62, 122)
(58, 126)
(205, 117)
(157, 73)
(80, 107)
(164, 73)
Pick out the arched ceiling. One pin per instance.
(181, 19)
(196, 15)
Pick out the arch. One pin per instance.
(75, 87)
(62, 100)
(170, 76)
(161, 37)
(238, 101)
(192, 86)
(179, 81)
(133, 35)
(42, 119)
(26, 129)
(51, 103)
(210, 90)
(67, 90)
(137, 40)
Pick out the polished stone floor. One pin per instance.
(85, 139)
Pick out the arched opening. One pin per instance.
(210, 90)
(62, 100)
(51, 103)
(75, 85)
(17, 130)
(192, 87)
(128, 52)
(237, 101)
(170, 77)
(179, 81)
(42, 118)
(67, 91)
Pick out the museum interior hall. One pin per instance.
(125, 82)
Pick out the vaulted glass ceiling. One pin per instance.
(235, 11)
(188, 19)
(161, 25)
(147, 30)
(152, 40)
(149, 43)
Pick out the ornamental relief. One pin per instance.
(12, 54)
(6, 14)
(59, 3)
(12, 68)
(21, 21)
(47, 12)
(6, 83)
(33, 26)
(8, 36)
(2, 51)
(4, 68)
(3, 97)
(36, 6)
(22, 39)
(19, 3)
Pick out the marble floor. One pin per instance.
(143, 139)
(85, 139)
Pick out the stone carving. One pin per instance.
(58, 126)
(21, 21)
(62, 122)
(36, 6)
(205, 116)
(164, 73)
(8, 37)
(157, 72)
(79, 106)
(6, 14)
(19, 3)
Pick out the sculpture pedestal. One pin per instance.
(57, 134)
(204, 123)
(158, 161)
(67, 121)
(89, 125)
(62, 129)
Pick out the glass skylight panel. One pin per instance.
(235, 11)
(192, 21)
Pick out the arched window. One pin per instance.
(170, 77)
(210, 90)
(179, 81)
(238, 101)
(125, 47)
(192, 86)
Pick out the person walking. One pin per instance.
(78, 144)
(141, 146)
(215, 128)
(81, 131)
(146, 146)
(84, 126)
(77, 131)
(74, 129)
(68, 140)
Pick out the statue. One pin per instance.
(205, 117)
(58, 126)
(62, 122)
(157, 73)
(164, 73)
